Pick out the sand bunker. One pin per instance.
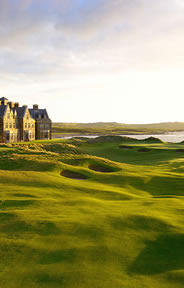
(124, 147)
(179, 150)
(72, 175)
(144, 150)
(99, 168)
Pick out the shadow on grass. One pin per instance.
(26, 165)
(164, 254)
(159, 185)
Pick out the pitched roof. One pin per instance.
(20, 111)
(35, 113)
(3, 98)
(3, 110)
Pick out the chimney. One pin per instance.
(35, 107)
(17, 105)
(11, 104)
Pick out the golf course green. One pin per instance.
(92, 213)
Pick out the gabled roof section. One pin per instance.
(20, 111)
(3, 98)
(37, 113)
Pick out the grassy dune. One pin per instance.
(118, 226)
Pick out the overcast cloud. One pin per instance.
(59, 50)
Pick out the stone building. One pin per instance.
(23, 124)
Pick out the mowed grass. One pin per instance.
(121, 226)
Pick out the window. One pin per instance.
(15, 137)
(28, 125)
(10, 125)
(25, 125)
(7, 136)
(27, 117)
(8, 115)
(32, 125)
(13, 125)
(6, 125)
(46, 135)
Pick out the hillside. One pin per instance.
(81, 213)
(116, 128)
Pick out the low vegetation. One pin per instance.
(80, 213)
(113, 128)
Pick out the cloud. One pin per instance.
(51, 45)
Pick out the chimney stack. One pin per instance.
(5, 102)
(11, 104)
(35, 107)
(17, 105)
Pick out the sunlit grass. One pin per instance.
(121, 226)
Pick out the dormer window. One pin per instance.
(8, 115)
(27, 117)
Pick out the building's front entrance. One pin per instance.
(7, 136)
(27, 135)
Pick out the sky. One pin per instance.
(95, 60)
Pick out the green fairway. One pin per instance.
(100, 213)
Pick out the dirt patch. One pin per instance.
(99, 168)
(144, 150)
(73, 175)
(124, 147)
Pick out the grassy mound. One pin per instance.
(152, 140)
(102, 139)
(121, 229)
(61, 148)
